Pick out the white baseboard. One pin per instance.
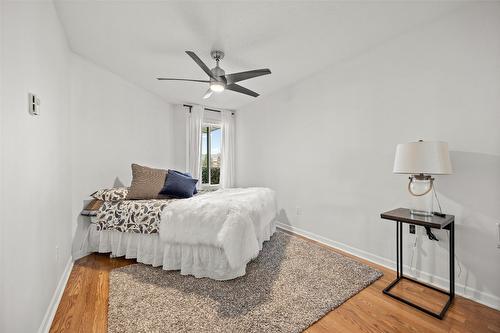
(56, 298)
(467, 292)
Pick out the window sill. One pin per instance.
(210, 187)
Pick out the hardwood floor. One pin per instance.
(84, 305)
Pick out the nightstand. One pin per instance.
(403, 215)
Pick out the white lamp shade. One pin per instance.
(427, 157)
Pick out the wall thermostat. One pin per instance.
(34, 104)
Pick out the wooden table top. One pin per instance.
(404, 215)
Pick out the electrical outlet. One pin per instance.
(412, 228)
(34, 104)
(298, 211)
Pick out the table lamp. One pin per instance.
(421, 160)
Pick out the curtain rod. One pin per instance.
(190, 106)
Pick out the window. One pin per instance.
(210, 154)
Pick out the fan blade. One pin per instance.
(208, 93)
(201, 64)
(240, 89)
(236, 77)
(189, 80)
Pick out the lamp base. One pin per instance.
(420, 188)
(420, 212)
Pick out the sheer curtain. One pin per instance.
(227, 149)
(195, 121)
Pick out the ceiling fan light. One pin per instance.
(217, 86)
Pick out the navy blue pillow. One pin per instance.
(187, 174)
(179, 185)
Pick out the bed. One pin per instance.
(213, 234)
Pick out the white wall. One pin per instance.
(2, 314)
(36, 184)
(93, 125)
(114, 124)
(326, 145)
(180, 149)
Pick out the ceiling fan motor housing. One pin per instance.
(217, 71)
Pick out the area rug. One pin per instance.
(290, 285)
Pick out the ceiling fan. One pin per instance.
(219, 80)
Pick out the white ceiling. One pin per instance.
(141, 40)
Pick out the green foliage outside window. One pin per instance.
(204, 175)
(215, 175)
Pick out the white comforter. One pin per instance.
(227, 218)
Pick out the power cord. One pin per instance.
(447, 232)
(437, 199)
(413, 252)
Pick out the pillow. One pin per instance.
(92, 208)
(112, 194)
(187, 174)
(179, 185)
(146, 183)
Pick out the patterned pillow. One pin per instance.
(112, 194)
(146, 183)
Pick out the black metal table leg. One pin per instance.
(401, 249)
(400, 276)
(397, 250)
(452, 259)
(451, 294)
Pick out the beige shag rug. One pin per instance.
(289, 286)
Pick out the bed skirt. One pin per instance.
(197, 260)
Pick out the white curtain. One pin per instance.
(195, 121)
(227, 149)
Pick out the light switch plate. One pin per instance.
(33, 104)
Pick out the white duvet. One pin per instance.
(227, 218)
